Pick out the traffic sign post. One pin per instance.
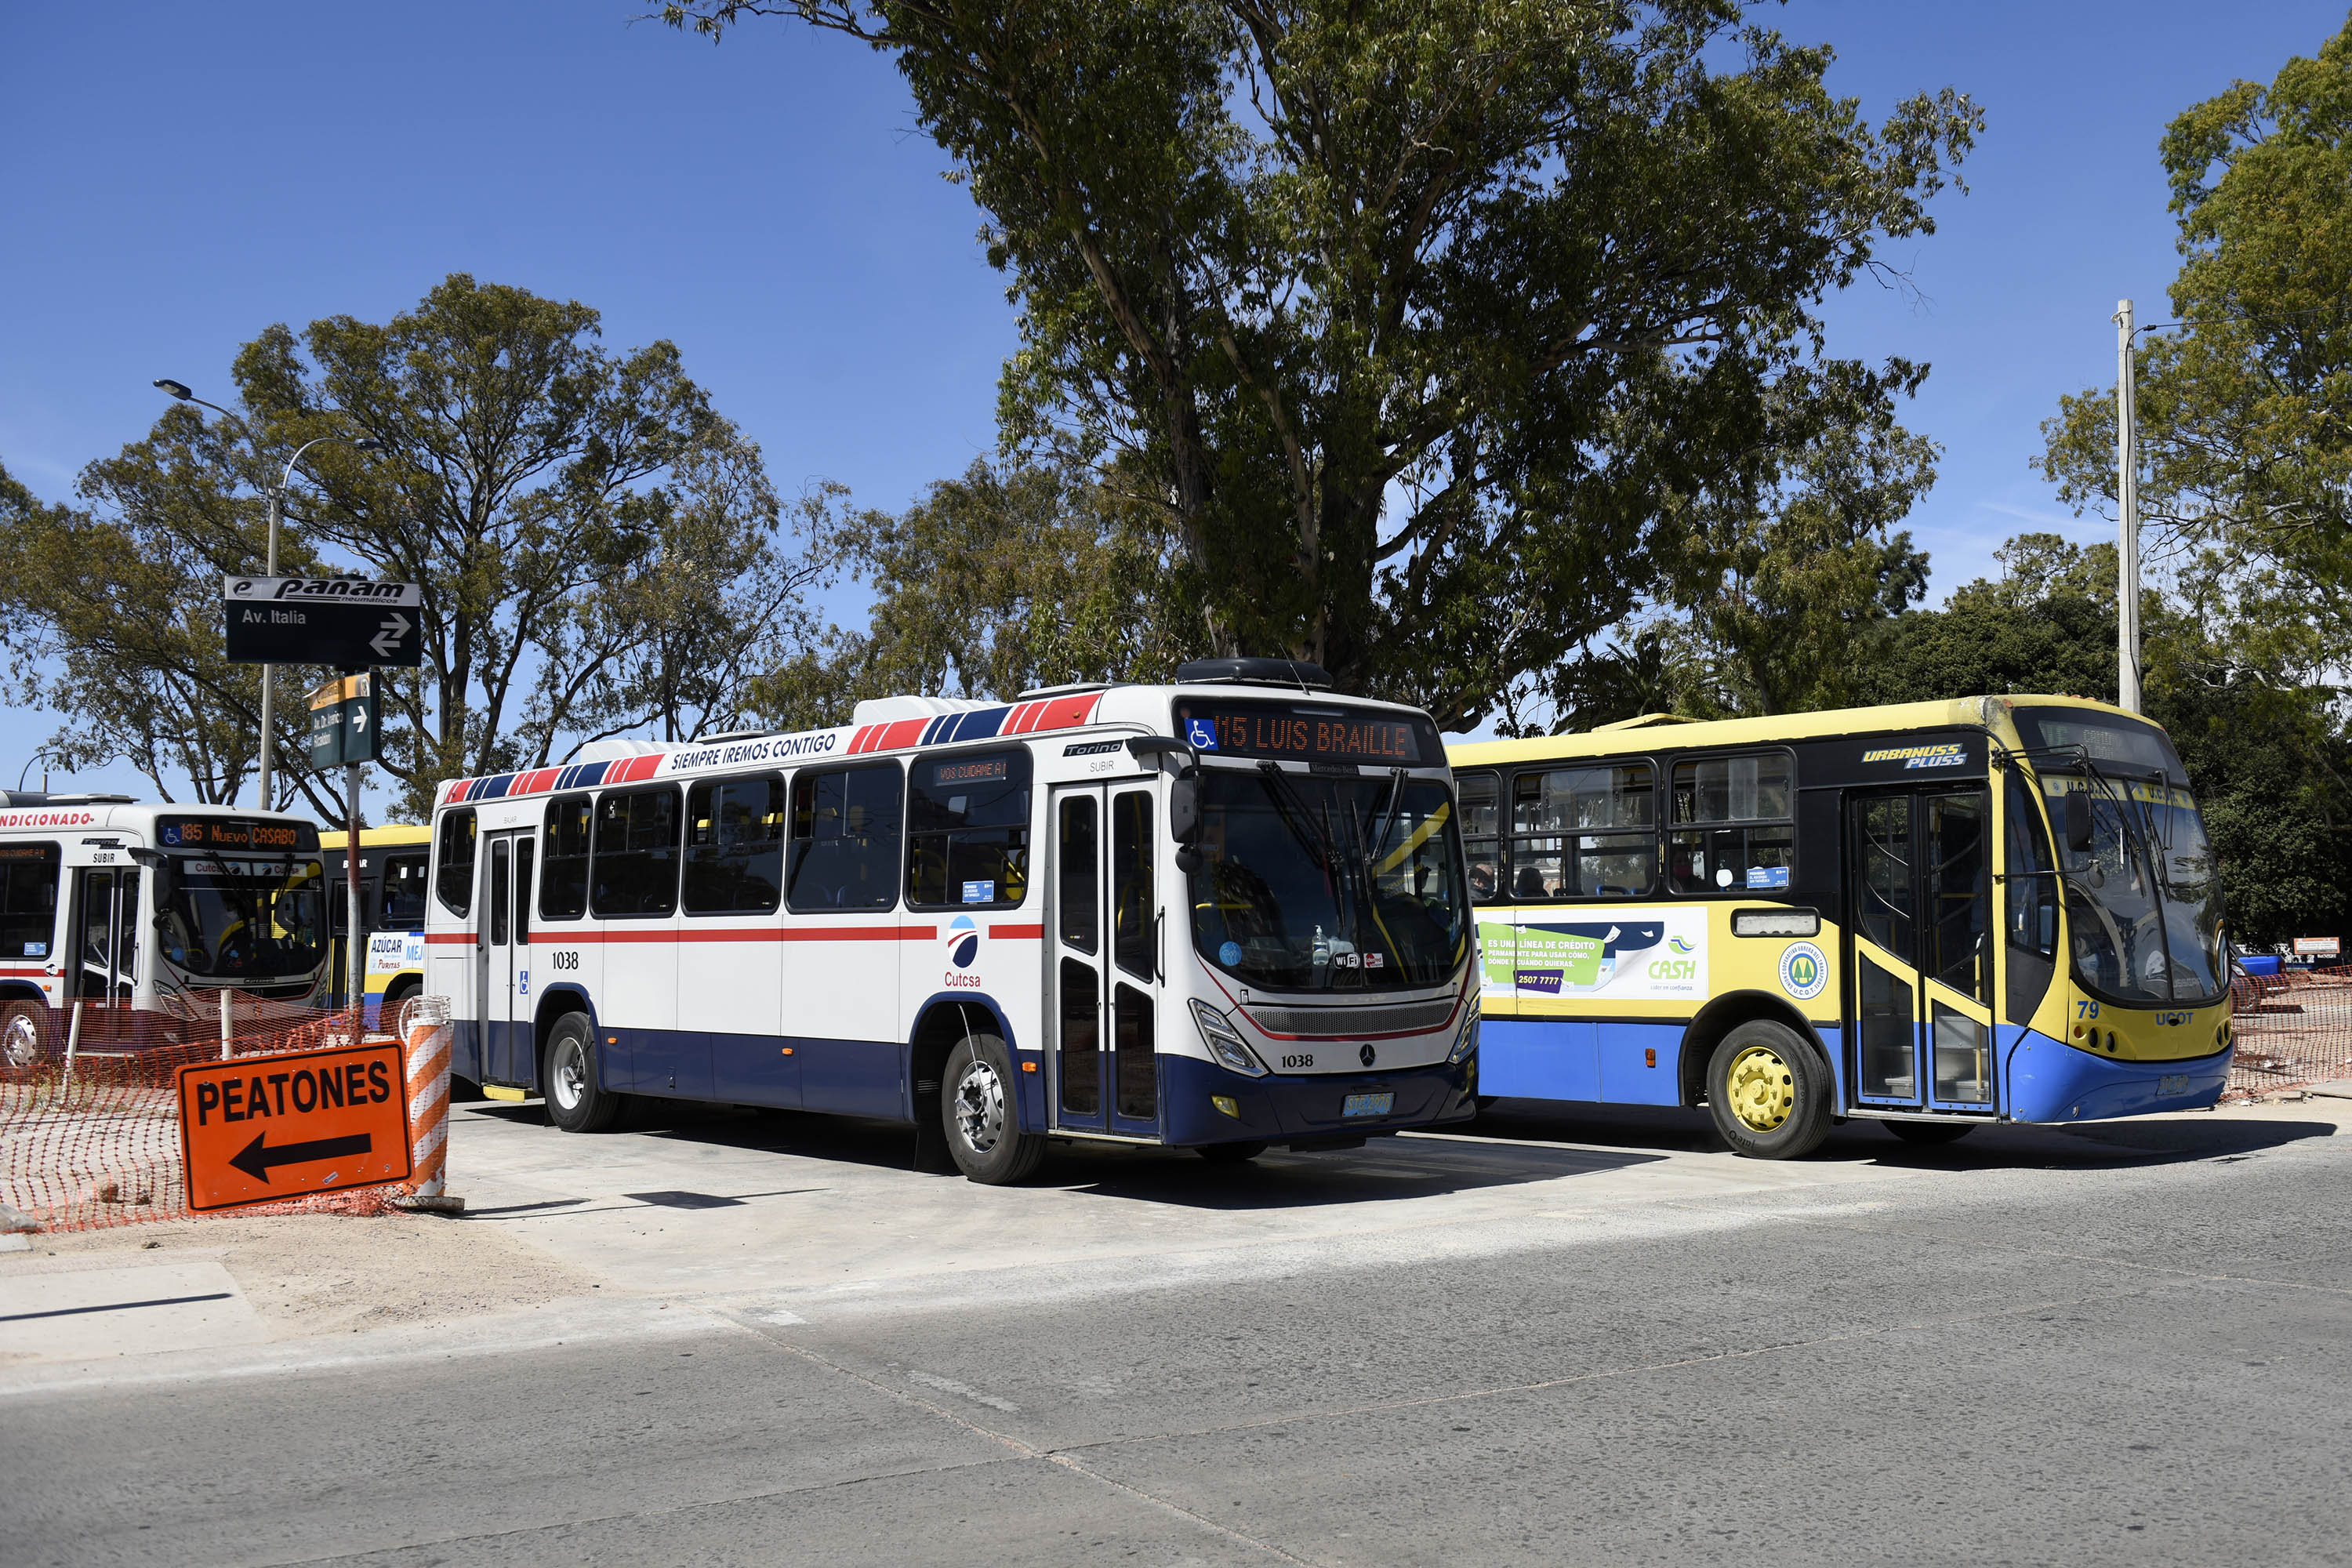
(255, 1130)
(348, 622)
(343, 722)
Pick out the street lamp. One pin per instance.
(276, 508)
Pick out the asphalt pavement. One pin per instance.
(1560, 1339)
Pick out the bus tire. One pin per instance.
(21, 1027)
(1769, 1091)
(576, 1101)
(1231, 1154)
(1929, 1134)
(978, 1114)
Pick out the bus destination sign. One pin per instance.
(1305, 733)
(235, 833)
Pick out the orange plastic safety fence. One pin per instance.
(2292, 1029)
(90, 1127)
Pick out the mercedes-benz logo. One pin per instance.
(1365, 1056)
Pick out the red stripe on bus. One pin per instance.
(536, 782)
(1066, 712)
(1018, 933)
(904, 732)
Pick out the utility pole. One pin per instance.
(2128, 517)
(270, 671)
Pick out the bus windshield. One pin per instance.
(235, 919)
(2144, 902)
(1319, 883)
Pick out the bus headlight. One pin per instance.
(1227, 1046)
(1467, 1040)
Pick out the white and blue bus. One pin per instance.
(1223, 914)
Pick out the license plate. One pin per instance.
(1368, 1105)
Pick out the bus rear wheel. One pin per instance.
(981, 1121)
(1931, 1132)
(1769, 1092)
(576, 1101)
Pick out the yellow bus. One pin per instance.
(1934, 915)
(392, 915)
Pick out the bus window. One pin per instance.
(968, 830)
(2030, 902)
(403, 893)
(1960, 888)
(1079, 919)
(735, 846)
(845, 850)
(454, 883)
(339, 906)
(28, 898)
(563, 860)
(1734, 827)
(634, 866)
(1478, 794)
(1571, 860)
(1132, 908)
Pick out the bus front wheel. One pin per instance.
(21, 1026)
(576, 1101)
(981, 1121)
(1769, 1092)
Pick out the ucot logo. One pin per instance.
(963, 940)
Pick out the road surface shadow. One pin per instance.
(2164, 1140)
(1384, 1170)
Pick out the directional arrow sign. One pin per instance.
(390, 638)
(260, 1128)
(257, 1159)
(350, 623)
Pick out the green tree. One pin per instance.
(2246, 412)
(1004, 579)
(599, 549)
(116, 624)
(1423, 321)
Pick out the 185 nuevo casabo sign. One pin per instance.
(348, 622)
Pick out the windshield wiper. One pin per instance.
(1298, 817)
(1374, 844)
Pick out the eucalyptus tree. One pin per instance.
(1427, 322)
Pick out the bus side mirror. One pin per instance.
(2077, 826)
(1185, 809)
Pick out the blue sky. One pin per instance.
(177, 178)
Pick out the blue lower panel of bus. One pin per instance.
(851, 1077)
(1570, 1058)
(2052, 1081)
(1276, 1108)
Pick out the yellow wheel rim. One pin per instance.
(1761, 1088)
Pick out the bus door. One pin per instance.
(1103, 990)
(1920, 1002)
(106, 935)
(503, 988)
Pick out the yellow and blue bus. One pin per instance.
(392, 914)
(1935, 915)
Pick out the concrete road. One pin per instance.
(1562, 1340)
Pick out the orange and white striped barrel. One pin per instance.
(426, 1020)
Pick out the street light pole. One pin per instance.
(2127, 694)
(276, 510)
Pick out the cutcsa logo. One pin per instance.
(963, 951)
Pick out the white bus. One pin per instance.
(145, 914)
(1223, 914)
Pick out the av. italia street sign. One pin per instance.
(350, 623)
